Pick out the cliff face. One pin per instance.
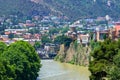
(75, 54)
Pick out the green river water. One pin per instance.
(52, 70)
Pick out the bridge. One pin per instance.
(46, 55)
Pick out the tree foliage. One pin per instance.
(106, 59)
(53, 31)
(73, 9)
(11, 35)
(34, 31)
(63, 40)
(65, 29)
(19, 61)
(45, 39)
(37, 45)
(3, 46)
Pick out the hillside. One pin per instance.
(73, 9)
(76, 9)
(78, 55)
(23, 7)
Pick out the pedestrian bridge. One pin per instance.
(46, 55)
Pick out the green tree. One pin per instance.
(94, 44)
(53, 31)
(63, 40)
(19, 61)
(37, 45)
(103, 59)
(3, 46)
(114, 72)
(34, 31)
(11, 36)
(64, 30)
(45, 39)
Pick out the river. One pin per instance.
(52, 70)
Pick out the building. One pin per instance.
(15, 31)
(72, 28)
(72, 33)
(117, 30)
(101, 35)
(50, 47)
(84, 39)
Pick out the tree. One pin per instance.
(3, 62)
(37, 45)
(19, 61)
(3, 46)
(65, 29)
(34, 31)
(63, 40)
(114, 72)
(103, 60)
(45, 39)
(11, 36)
(53, 31)
(94, 44)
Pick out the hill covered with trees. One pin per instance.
(76, 9)
(73, 9)
(22, 7)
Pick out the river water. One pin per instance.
(52, 70)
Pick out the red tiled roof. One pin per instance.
(7, 33)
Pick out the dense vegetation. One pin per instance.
(106, 61)
(18, 61)
(28, 8)
(37, 45)
(73, 9)
(45, 39)
(62, 39)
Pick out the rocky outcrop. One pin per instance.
(75, 54)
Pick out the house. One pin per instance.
(4, 38)
(83, 39)
(72, 33)
(29, 23)
(112, 32)
(36, 18)
(72, 28)
(27, 36)
(117, 30)
(14, 31)
(50, 47)
(21, 25)
(101, 35)
(100, 19)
